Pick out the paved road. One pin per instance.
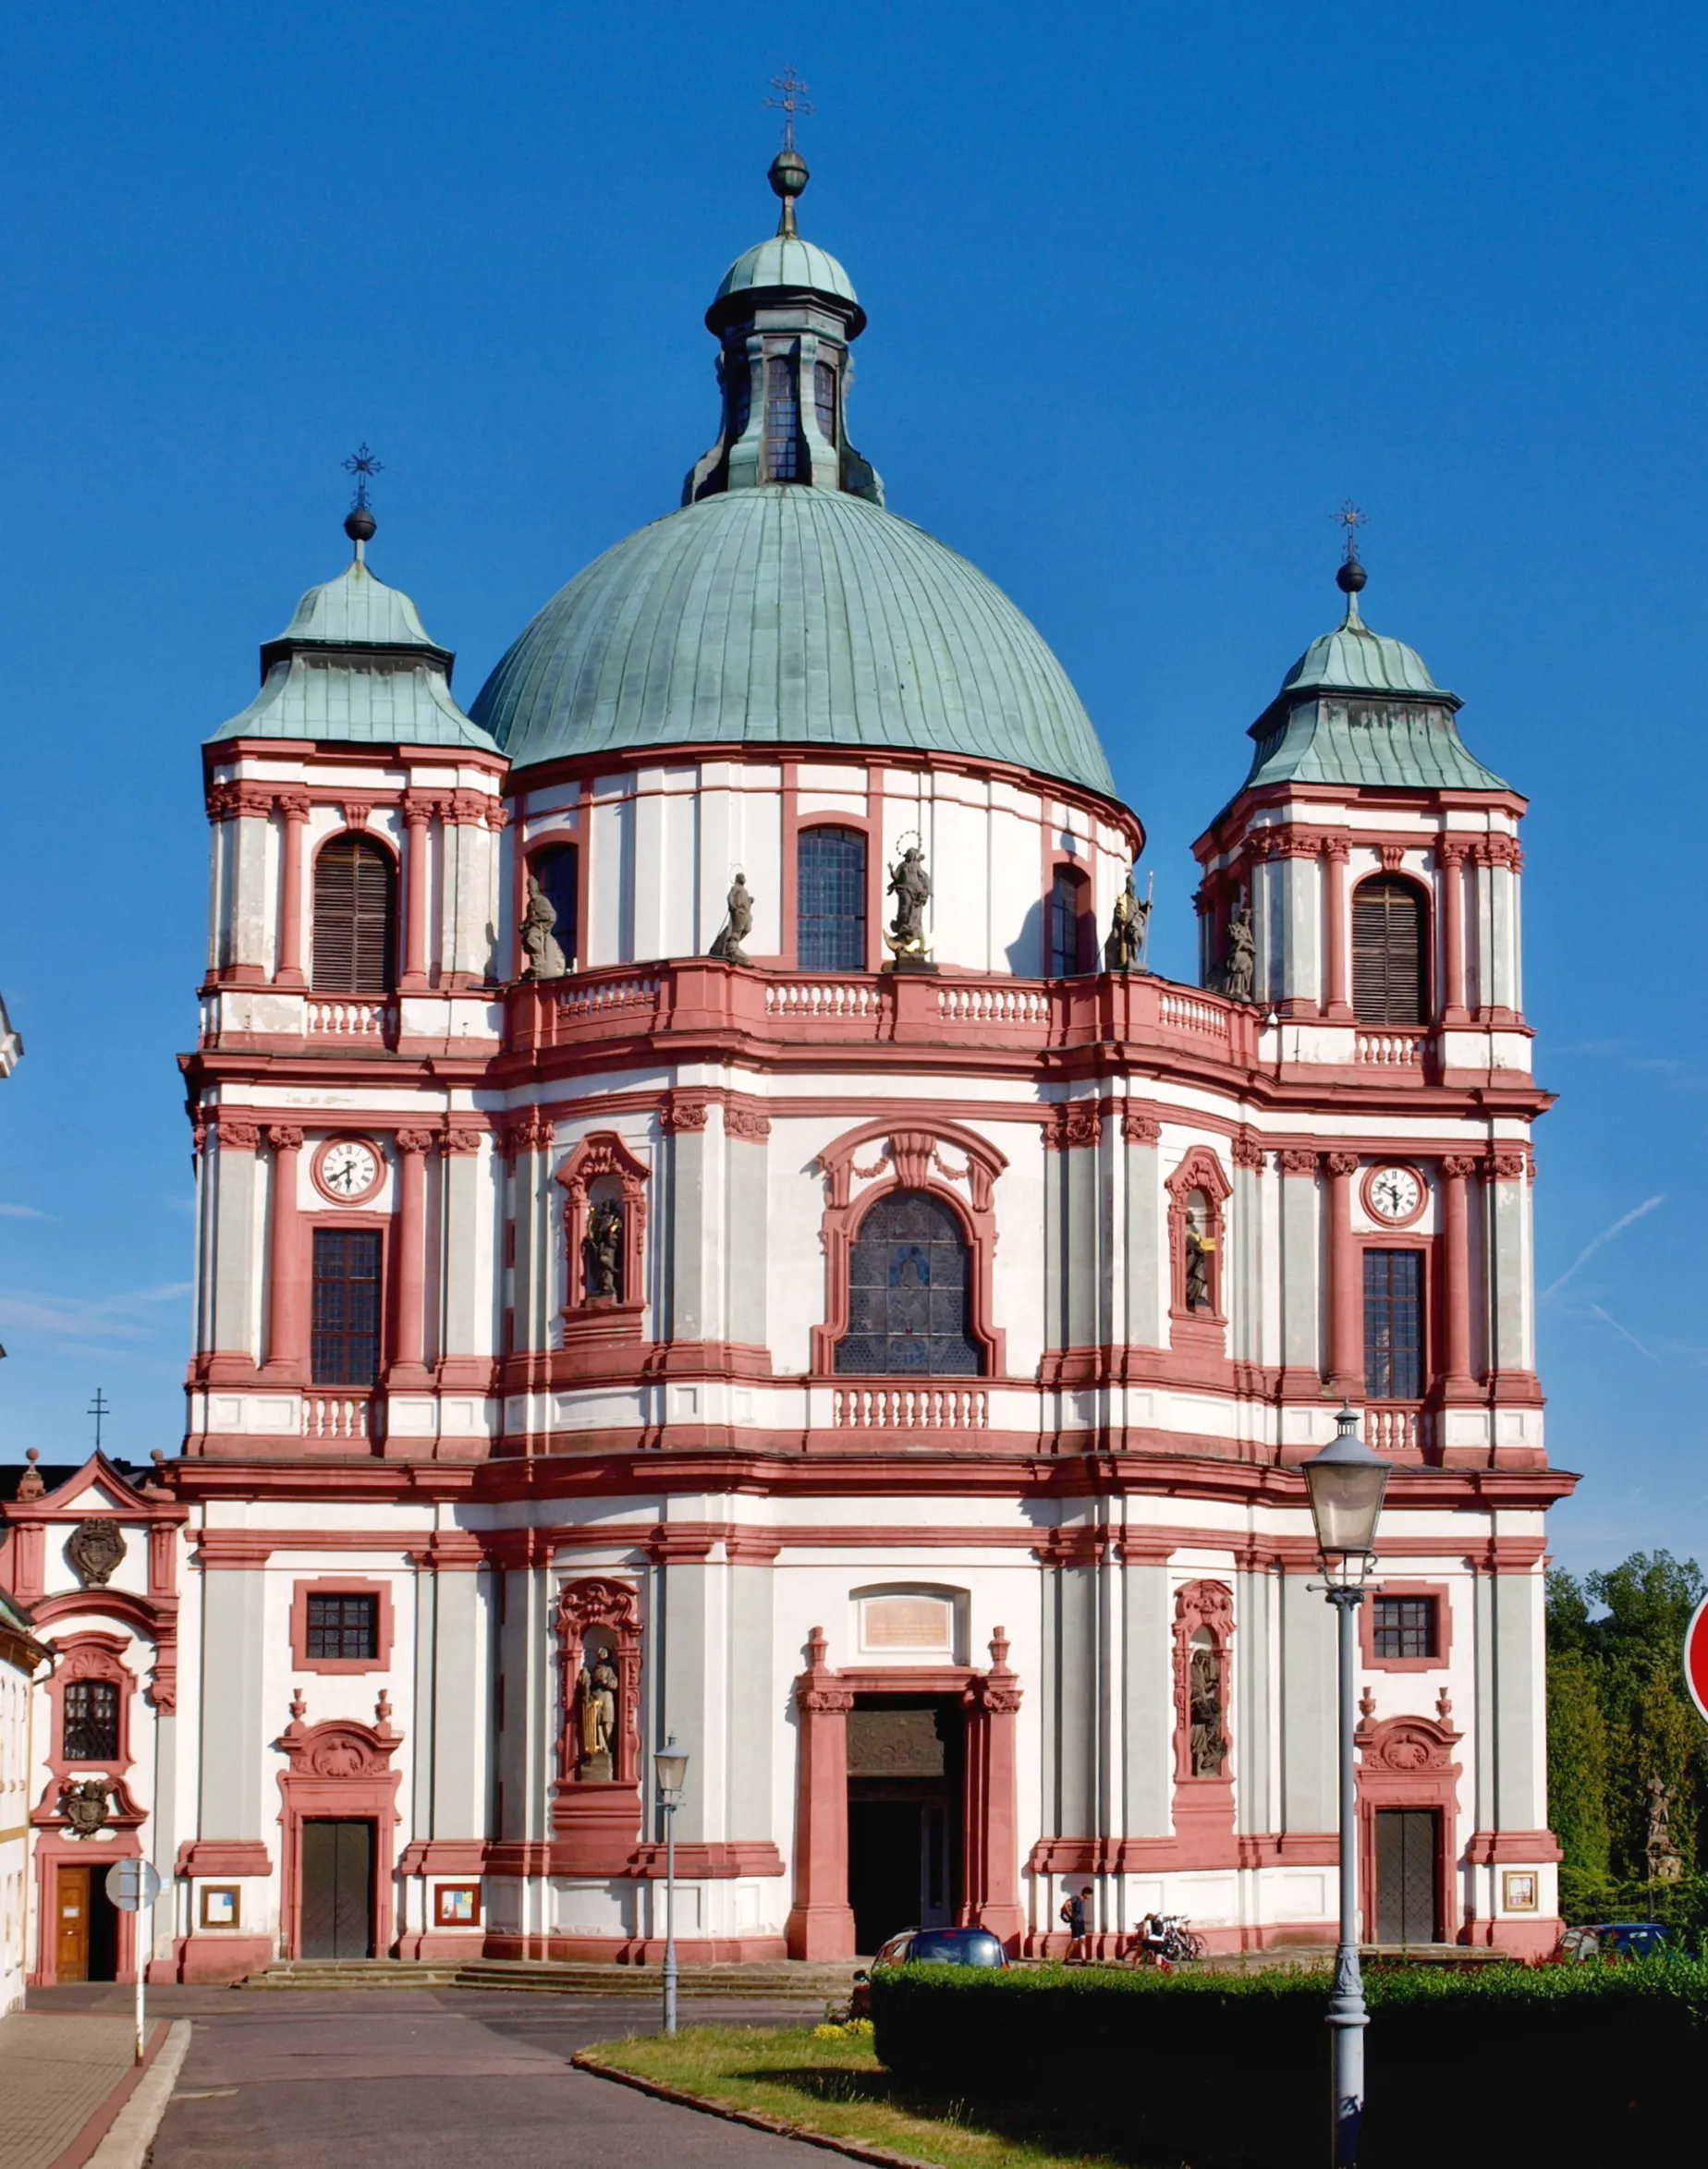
(460, 2078)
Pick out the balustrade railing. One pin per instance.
(1391, 1050)
(335, 1416)
(345, 1018)
(1395, 1427)
(912, 1408)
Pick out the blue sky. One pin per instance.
(1152, 291)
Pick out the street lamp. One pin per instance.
(669, 1768)
(1346, 1482)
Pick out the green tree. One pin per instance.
(1578, 1765)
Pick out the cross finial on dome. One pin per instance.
(788, 174)
(359, 523)
(1351, 575)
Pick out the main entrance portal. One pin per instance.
(337, 1890)
(906, 1774)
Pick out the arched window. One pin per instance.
(1068, 892)
(782, 420)
(830, 900)
(908, 1293)
(91, 1722)
(355, 918)
(557, 870)
(824, 399)
(1390, 966)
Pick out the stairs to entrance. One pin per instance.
(767, 1981)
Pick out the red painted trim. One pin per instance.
(223, 1857)
(604, 1154)
(1407, 1763)
(596, 1823)
(342, 1770)
(346, 1585)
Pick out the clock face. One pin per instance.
(349, 1169)
(1393, 1193)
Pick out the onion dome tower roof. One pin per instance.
(782, 605)
(1360, 708)
(356, 663)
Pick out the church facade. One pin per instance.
(708, 1228)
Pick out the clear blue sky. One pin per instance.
(1151, 290)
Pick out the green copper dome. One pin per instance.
(787, 615)
(786, 260)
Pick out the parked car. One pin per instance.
(1609, 1940)
(927, 1946)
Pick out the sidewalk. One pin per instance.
(63, 2077)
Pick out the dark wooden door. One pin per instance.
(71, 1947)
(337, 1890)
(1407, 1881)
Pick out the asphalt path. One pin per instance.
(463, 2078)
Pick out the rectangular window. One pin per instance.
(1405, 1627)
(830, 900)
(782, 420)
(1067, 901)
(346, 1306)
(824, 399)
(346, 1628)
(91, 1721)
(1394, 1325)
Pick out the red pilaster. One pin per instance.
(409, 1262)
(417, 819)
(293, 845)
(821, 1921)
(1337, 1008)
(1450, 857)
(287, 1340)
(1345, 1294)
(991, 1846)
(1457, 1383)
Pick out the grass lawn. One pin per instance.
(840, 2088)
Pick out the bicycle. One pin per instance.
(1175, 1942)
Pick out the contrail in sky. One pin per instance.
(1605, 1236)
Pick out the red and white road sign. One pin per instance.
(1696, 1657)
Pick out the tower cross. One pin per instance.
(791, 100)
(1351, 519)
(99, 1408)
(362, 463)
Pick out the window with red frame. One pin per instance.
(346, 1342)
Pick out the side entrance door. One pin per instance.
(337, 1890)
(71, 1954)
(1406, 1883)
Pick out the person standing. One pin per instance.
(1074, 1914)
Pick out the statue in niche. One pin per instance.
(1239, 964)
(545, 960)
(910, 885)
(595, 1716)
(1208, 1743)
(602, 1252)
(1199, 1249)
(738, 923)
(1124, 950)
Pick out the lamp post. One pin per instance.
(1346, 1482)
(669, 1767)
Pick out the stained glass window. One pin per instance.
(782, 420)
(830, 900)
(907, 1294)
(1394, 1325)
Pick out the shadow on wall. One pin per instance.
(1025, 953)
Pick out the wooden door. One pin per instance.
(337, 1890)
(1406, 1883)
(72, 1932)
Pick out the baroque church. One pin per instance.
(708, 1227)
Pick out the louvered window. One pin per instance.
(1390, 971)
(555, 870)
(346, 1345)
(355, 918)
(782, 420)
(908, 1291)
(91, 1721)
(830, 900)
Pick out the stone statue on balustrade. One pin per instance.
(1238, 973)
(602, 1252)
(545, 958)
(738, 923)
(906, 941)
(1124, 950)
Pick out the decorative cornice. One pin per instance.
(413, 1141)
(1247, 1151)
(284, 1137)
(1342, 1164)
(745, 1122)
(460, 1141)
(1297, 1160)
(1139, 1126)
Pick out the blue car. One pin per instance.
(927, 1946)
(1610, 1941)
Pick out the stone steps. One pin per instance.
(767, 1983)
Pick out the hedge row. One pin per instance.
(1488, 2065)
